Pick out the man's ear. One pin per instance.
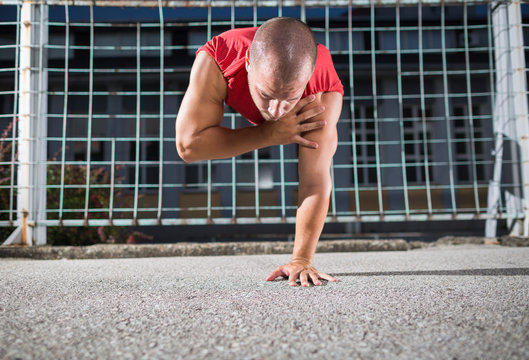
(247, 60)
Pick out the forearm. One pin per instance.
(310, 219)
(315, 180)
(218, 142)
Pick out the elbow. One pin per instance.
(185, 150)
(319, 187)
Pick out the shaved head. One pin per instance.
(284, 47)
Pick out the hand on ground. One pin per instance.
(304, 272)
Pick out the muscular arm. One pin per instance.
(315, 180)
(199, 135)
(314, 192)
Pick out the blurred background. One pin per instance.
(431, 135)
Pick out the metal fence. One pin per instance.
(434, 123)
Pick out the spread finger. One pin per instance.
(314, 278)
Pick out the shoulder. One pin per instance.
(228, 49)
(324, 78)
(324, 61)
(207, 80)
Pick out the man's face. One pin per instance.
(272, 97)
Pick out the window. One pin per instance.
(365, 145)
(464, 146)
(195, 175)
(414, 148)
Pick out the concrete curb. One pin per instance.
(108, 251)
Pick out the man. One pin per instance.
(278, 78)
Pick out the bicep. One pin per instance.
(315, 163)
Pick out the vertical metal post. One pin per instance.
(209, 213)
(521, 113)
(15, 125)
(510, 105)
(494, 203)
(90, 113)
(254, 13)
(257, 183)
(333, 188)
(26, 108)
(499, 110)
(208, 29)
(138, 124)
(470, 112)
(375, 109)
(401, 116)
(32, 127)
(282, 176)
(423, 116)
(112, 181)
(352, 104)
(233, 180)
(39, 233)
(162, 114)
(65, 105)
(447, 112)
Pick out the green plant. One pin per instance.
(73, 205)
(5, 179)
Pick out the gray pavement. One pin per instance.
(442, 302)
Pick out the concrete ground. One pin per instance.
(442, 302)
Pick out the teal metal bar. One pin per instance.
(39, 192)
(256, 183)
(282, 180)
(267, 220)
(14, 130)
(90, 111)
(208, 29)
(162, 112)
(447, 113)
(470, 111)
(401, 116)
(65, 108)
(138, 124)
(232, 17)
(333, 190)
(375, 109)
(209, 193)
(254, 16)
(233, 180)
(112, 181)
(423, 116)
(352, 105)
(245, 3)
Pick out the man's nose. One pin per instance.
(275, 109)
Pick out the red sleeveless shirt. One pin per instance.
(229, 50)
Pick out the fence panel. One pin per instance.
(417, 137)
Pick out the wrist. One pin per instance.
(265, 136)
(301, 260)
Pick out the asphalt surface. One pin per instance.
(443, 302)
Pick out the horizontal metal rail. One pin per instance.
(250, 3)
